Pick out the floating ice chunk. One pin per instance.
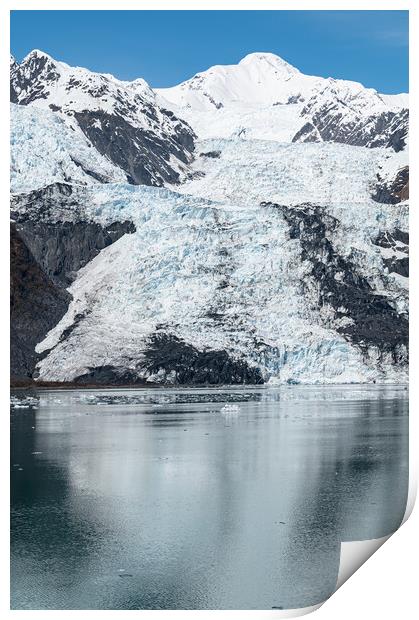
(230, 408)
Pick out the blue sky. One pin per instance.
(167, 47)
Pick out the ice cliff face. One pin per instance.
(276, 260)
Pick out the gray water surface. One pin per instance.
(162, 499)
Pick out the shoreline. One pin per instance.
(52, 385)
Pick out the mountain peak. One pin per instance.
(38, 54)
(260, 78)
(261, 58)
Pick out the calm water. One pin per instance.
(154, 499)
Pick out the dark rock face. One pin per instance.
(374, 322)
(46, 254)
(143, 155)
(398, 265)
(392, 239)
(294, 99)
(394, 191)
(48, 204)
(307, 133)
(109, 375)
(396, 240)
(36, 305)
(168, 353)
(33, 80)
(62, 248)
(211, 154)
(328, 124)
(188, 367)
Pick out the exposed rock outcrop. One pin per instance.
(394, 191)
(36, 305)
(145, 156)
(372, 322)
(396, 244)
(62, 248)
(46, 253)
(181, 363)
(328, 124)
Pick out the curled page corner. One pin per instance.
(293, 613)
(265, 614)
(412, 494)
(354, 554)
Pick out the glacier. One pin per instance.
(44, 150)
(272, 261)
(224, 275)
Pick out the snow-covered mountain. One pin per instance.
(260, 79)
(349, 113)
(264, 97)
(122, 120)
(281, 256)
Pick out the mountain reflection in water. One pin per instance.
(198, 505)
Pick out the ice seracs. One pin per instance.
(198, 278)
(45, 150)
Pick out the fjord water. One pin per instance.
(178, 499)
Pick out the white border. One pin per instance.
(391, 565)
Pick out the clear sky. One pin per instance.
(167, 47)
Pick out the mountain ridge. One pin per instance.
(122, 120)
(263, 91)
(261, 68)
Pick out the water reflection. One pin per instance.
(158, 499)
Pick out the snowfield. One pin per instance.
(247, 121)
